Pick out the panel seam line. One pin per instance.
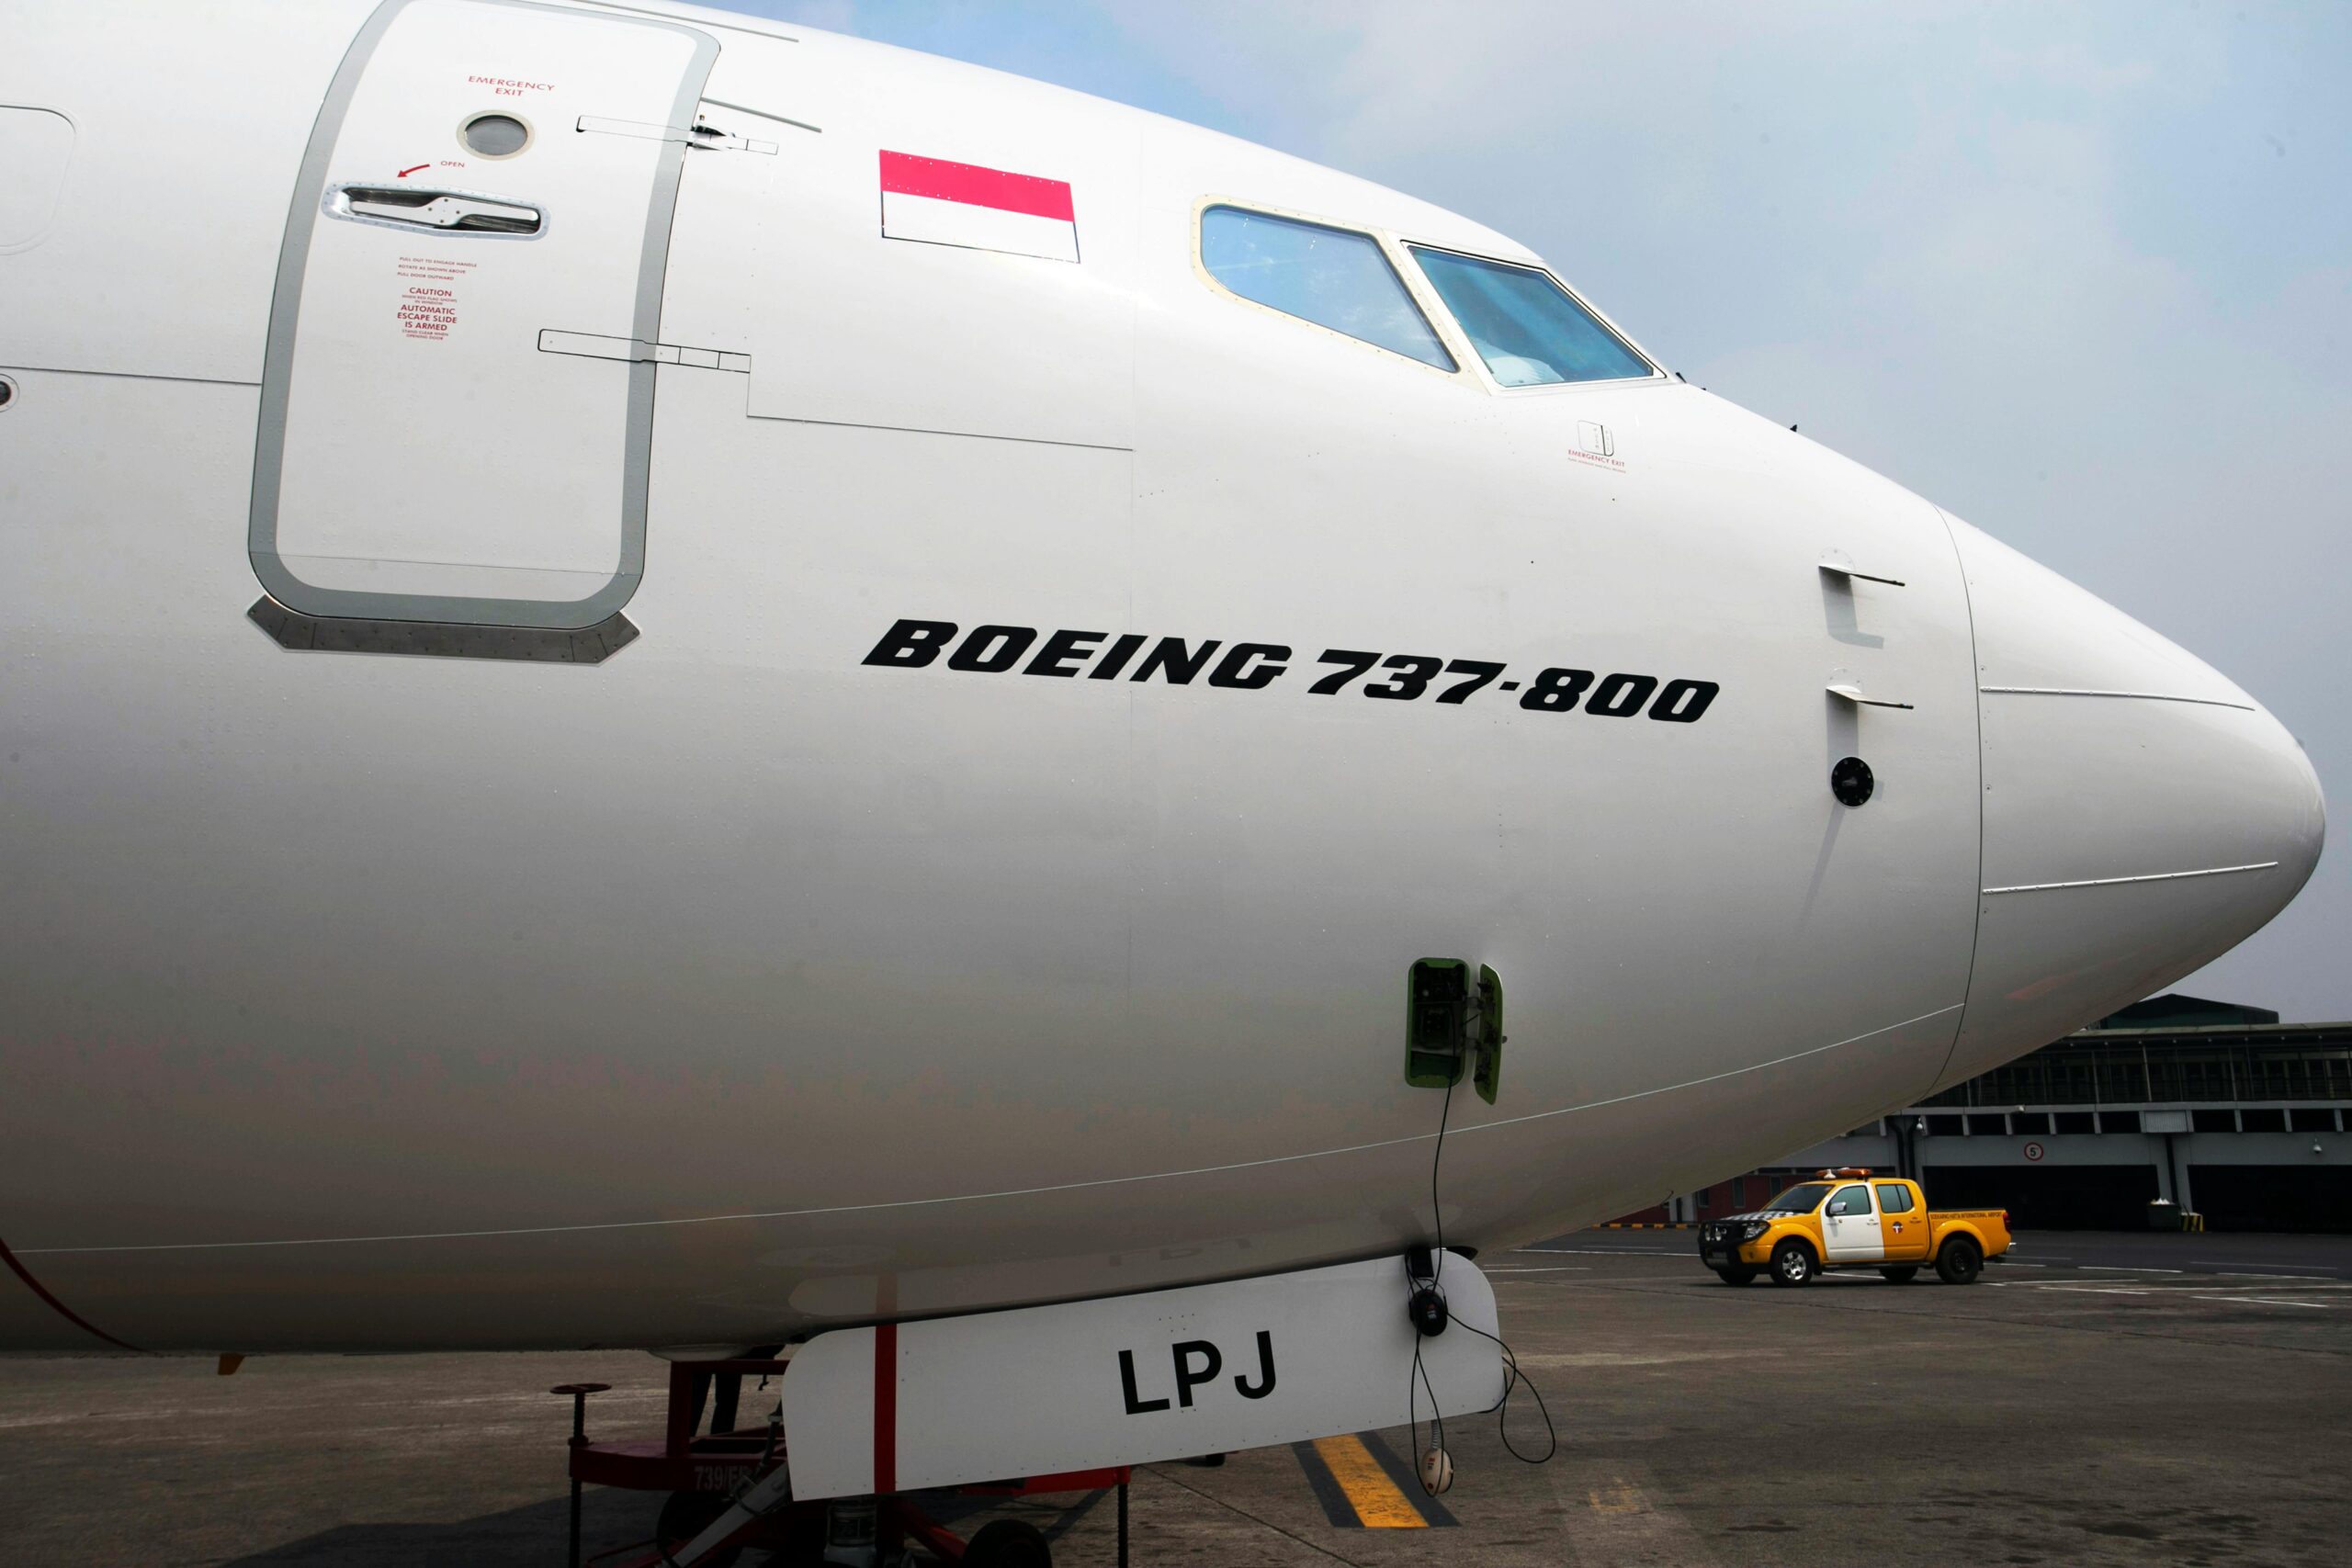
(2119, 881)
(2136, 696)
(1010, 1192)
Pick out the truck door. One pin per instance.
(1903, 1222)
(1850, 1226)
(425, 455)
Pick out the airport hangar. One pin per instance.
(2175, 1105)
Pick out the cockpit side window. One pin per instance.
(1529, 330)
(1335, 277)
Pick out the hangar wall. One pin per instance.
(2216, 1109)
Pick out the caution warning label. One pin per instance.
(426, 306)
(428, 312)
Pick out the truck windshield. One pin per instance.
(1800, 1198)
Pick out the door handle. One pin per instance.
(1848, 691)
(438, 211)
(1838, 565)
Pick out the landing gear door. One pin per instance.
(423, 456)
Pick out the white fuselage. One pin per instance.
(733, 985)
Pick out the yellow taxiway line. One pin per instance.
(1377, 1500)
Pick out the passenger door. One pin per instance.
(458, 400)
(1903, 1222)
(1850, 1226)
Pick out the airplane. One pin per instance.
(676, 682)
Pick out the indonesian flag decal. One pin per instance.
(940, 203)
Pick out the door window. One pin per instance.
(1849, 1201)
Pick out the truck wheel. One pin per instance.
(1009, 1543)
(1959, 1261)
(1901, 1275)
(1792, 1263)
(1736, 1276)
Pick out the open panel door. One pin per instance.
(422, 457)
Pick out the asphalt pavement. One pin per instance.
(2100, 1399)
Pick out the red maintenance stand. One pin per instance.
(704, 1472)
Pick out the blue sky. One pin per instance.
(2080, 274)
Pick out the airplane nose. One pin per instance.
(2143, 814)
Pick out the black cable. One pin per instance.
(1511, 1380)
(1437, 1211)
(1513, 1375)
(1412, 1410)
(1417, 1380)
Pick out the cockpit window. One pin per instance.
(1526, 328)
(1334, 278)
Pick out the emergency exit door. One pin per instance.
(422, 457)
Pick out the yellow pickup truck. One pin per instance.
(1853, 1219)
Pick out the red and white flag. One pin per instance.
(943, 203)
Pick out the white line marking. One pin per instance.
(2157, 1288)
(2121, 1268)
(2250, 1274)
(2299, 1284)
(2098, 1290)
(2267, 1300)
(1554, 1268)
